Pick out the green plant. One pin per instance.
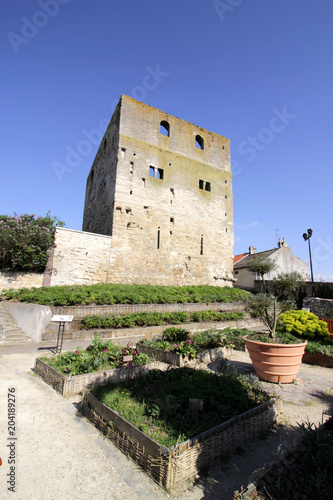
(123, 294)
(266, 307)
(186, 348)
(25, 241)
(98, 355)
(304, 324)
(308, 473)
(174, 334)
(154, 319)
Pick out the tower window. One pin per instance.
(158, 238)
(159, 173)
(201, 246)
(165, 128)
(156, 172)
(199, 142)
(205, 185)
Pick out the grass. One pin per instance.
(108, 294)
(158, 403)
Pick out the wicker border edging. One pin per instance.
(170, 467)
(179, 360)
(69, 386)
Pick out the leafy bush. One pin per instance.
(109, 293)
(174, 334)
(303, 324)
(25, 241)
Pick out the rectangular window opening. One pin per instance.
(160, 173)
(207, 187)
(151, 171)
(158, 238)
(201, 184)
(201, 246)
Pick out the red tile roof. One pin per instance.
(239, 257)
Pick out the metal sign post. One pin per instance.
(62, 320)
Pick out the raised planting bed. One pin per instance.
(74, 384)
(316, 358)
(170, 466)
(74, 371)
(179, 347)
(176, 359)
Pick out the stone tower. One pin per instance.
(161, 187)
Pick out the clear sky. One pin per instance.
(256, 71)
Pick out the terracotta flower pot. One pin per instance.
(278, 363)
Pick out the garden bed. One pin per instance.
(316, 358)
(170, 467)
(176, 359)
(71, 385)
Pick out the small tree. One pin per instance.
(261, 265)
(268, 306)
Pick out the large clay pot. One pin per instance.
(278, 363)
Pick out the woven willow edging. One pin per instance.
(170, 467)
(69, 386)
(179, 360)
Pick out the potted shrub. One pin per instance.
(275, 358)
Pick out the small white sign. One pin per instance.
(62, 319)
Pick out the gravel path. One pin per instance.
(60, 455)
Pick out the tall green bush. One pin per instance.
(25, 241)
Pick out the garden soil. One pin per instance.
(59, 455)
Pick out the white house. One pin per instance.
(285, 262)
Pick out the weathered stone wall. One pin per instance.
(323, 308)
(20, 280)
(80, 258)
(172, 215)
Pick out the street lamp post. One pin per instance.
(307, 237)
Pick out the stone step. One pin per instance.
(10, 333)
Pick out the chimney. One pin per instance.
(252, 250)
(282, 243)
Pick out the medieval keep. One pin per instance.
(161, 187)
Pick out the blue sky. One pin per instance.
(258, 72)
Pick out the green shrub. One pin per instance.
(174, 334)
(154, 319)
(123, 294)
(303, 324)
(25, 241)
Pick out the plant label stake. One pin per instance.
(196, 405)
(62, 320)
